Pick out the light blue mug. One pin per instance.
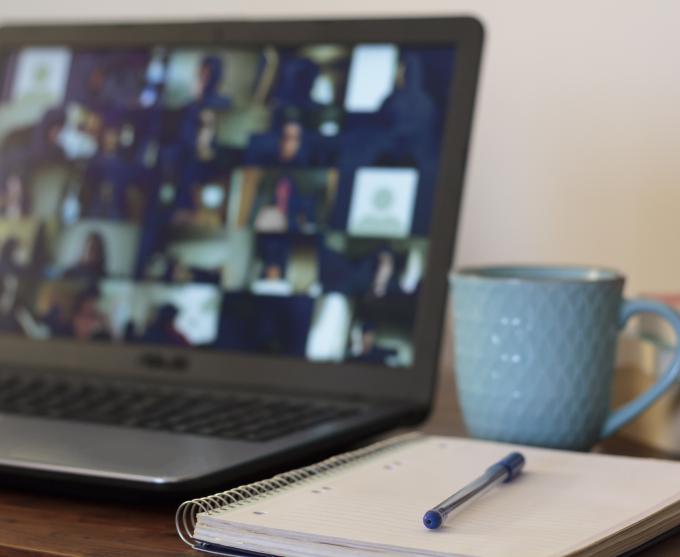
(535, 350)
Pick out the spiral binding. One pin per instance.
(185, 517)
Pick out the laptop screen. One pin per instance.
(251, 200)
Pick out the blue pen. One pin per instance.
(504, 470)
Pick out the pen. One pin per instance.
(504, 470)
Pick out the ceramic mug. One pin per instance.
(535, 351)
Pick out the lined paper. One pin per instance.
(562, 502)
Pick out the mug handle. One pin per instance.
(632, 409)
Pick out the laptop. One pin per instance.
(223, 246)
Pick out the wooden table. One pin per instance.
(34, 525)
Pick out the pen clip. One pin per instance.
(512, 466)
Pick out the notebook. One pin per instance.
(370, 502)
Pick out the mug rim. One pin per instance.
(522, 272)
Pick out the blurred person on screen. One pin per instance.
(92, 262)
(163, 328)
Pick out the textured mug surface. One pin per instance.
(535, 350)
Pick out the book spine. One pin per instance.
(185, 517)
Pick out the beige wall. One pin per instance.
(576, 152)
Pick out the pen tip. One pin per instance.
(432, 520)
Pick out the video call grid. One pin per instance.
(260, 200)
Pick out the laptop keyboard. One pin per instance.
(231, 416)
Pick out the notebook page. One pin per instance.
(561, 502)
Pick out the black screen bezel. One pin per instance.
(414, 383)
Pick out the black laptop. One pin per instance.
(223, 246)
